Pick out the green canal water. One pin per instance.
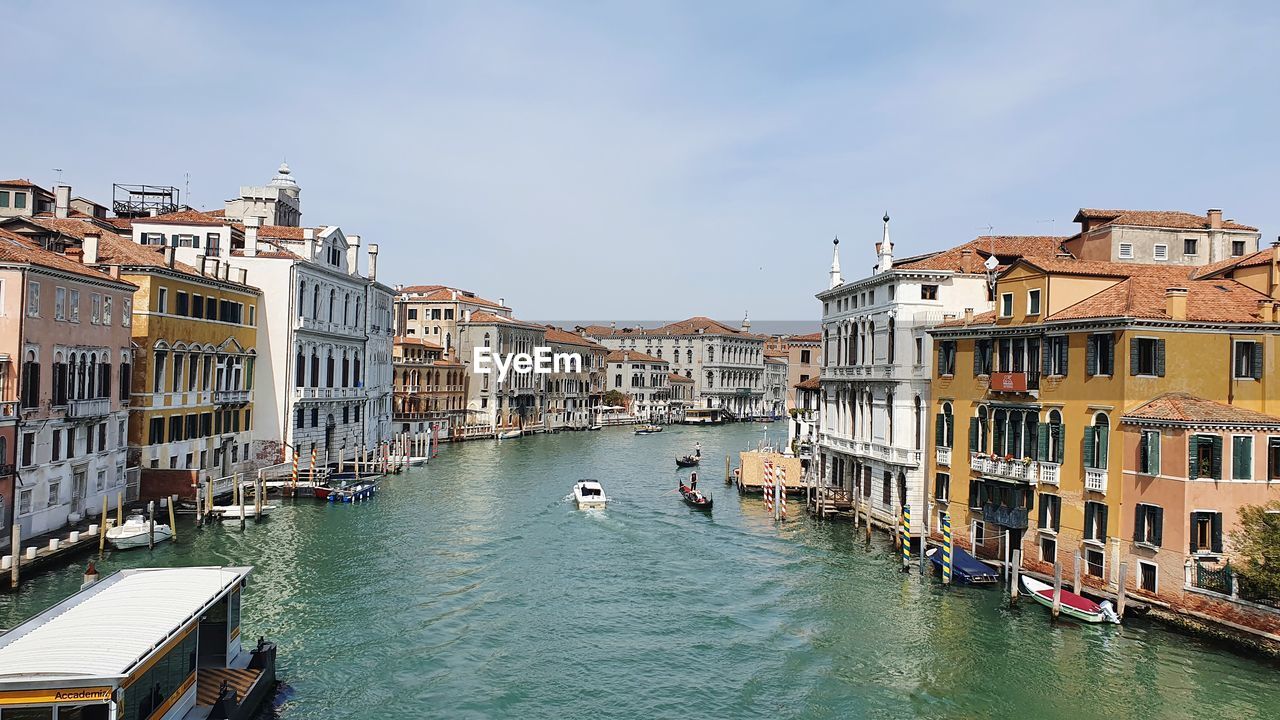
(470, 588)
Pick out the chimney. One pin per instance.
(466, 315)
(353, 254)
(968, 316)
(1266, 311)
(1215, 219)
(74, 254)
(1175, 303)
(242, 276)
(225, 271)
(168, 256)
(312, 248)
(966, 261)
(90, 246)
(502, 302)
(251, 224)
(1275, 270)
(373, 262)
(62, 201)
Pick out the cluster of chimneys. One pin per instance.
(252, 247)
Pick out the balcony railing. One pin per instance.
(944, 456)
(97, 407)
(1010, 517)
(1095, 480)
(1049, 473)
(326, 393)
(1017, 470)
(1015, 382)
(230, 397)
(8, 411)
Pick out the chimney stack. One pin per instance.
(251, 224)
(90, 246)
(1275, 270)
(1266, 310)
(1175, 303)
(1215, 219)
(168, 256)
(502, 302)
(62, 201)
(968, 316)
(373, 262)
(966, 261)
(353, 254)
(74, 254)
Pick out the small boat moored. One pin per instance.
(964, 567)
(593, 428)
(589, 494)
(136, 532)
(648, 429)
(509, 435)
(1072, 605)
(233, 512)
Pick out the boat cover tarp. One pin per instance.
(966, 567)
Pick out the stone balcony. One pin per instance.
(328, 393)
(1016, 470)
(82, 409)
(230, 397)
(1095, 480)
(877, 450)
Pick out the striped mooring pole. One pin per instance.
(295, 468)
(768, 486)
(782, 493)
(946, 548)
(906, 538)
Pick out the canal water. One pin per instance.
(471, 588)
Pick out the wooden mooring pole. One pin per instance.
(1075, 573)
(151, 524)
(1057, 589)
(1016, 569)
(15, 549)
(173, 525)
(1120, 592)
(102, 527)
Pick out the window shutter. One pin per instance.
(977, 357)
(974, 500)
(997, 437)
(1138, 515)
(1046, 357)
(1239, 464)
(1257, 361)
(1089, 440)
(1044, 512)
(1217, 532)
(942, 359)
(939, 433)
(1057, 513)
(1144, 455)
(1063, 354)
(1153, 454)
(1111, 354)
(1061, 432)
(1157, 526)
(1193, 451)
(1102, 521)
(1160, 358)
(1133, 356)
(1090, 509)
(1104, 433)
(1042, 450)
(1090, 356)
(973, 435)
(1192, 534)
(1216, 470)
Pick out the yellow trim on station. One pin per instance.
(56, 695)
(156, 656)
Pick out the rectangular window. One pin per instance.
(1146, 357)
(126, 313)
(1206, 532)
(1189, 246)
(1148, 524)
(1147, 574)
(1100, 355)
(162, 300)
(155, 433)
(95, 308)
(1242, 457)
(20, 200)
(1006, 305)
(928, 292)
(4, 198)
(1050, 519)
(106, 310)
(1126, 251)
(413, 314)
(1095, 521)
(1094, 562)
(1237, 248)
(1055, 355)
(1033, 302)
(59, 303)
(942, 487)
(1160, 251)
(24, 502)
(197, 306)
(73, 302)
(1149, 452)
(1273, 458)
(33, 299)
(947, 357)
(1204, 457)
(182, 309)
(55, 496)
(55, 449)
(28, 449)
(1048, 550)
(1247, 360)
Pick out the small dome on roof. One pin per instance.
(283, 178)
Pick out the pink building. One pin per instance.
(65, 330)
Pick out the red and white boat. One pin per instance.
(1072, 605)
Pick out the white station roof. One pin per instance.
(105, 630)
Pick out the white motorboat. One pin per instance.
(589, 494)
(1071, 604)
(136, 532)
(509, 435)
(233, 512)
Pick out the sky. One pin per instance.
(650, 159)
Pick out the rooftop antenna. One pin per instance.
(59, 171)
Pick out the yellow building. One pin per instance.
(194, 333)
(1040, 408)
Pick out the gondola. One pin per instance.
(694, 498)
(688, 461)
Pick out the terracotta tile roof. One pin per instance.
(564, 337)
(599, 330)
(677, 377)
(21, 182)
(1224, 301)
(182, 217)
(444, 293)
(481, 317)
(71, 227)
(1187, 408)
(811, 337)
(420, 288)
(121, 223)
(277, 254)
(16, 249)
(1257, 259)
(983, 318)
(627, 356)
(1153, 218)
(407, 340)
(113, 250)
(1102, 268)
(775, 353)
(288, 232)
(813, 383)
(217, 213)
(1005, 248)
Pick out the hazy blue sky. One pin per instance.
(651, 159)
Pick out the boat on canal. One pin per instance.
(248, 511)
(694, 498)
(510, 434)
(1072, 605)
(595, 427)
(688, 461)
(964, 567)
(145, 643)
(648, 429)
(589, 494)
(359, 490)
(136, 532)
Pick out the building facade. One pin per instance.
(433, 312)
(573, 396)
(804, 358)
(518, 400)
(643, 378)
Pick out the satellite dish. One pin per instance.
(991, 263)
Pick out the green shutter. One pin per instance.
(1257, 360)
(997, 437)
(1217, 532)
(1138, 513)
(1089, 440)
(1044, 510)
(950, 423)
(1111, 354)
(1104, 434)
(1090, 509)
(939, 434)
(1193, 451)
(942, 359)
(1046, 357)
(1144, 455)
(1064, 355)
(1102, 521)
(1160, 358)
(1157, 526)
(1216, 469)
(1090, 356)
(1133, 356)
(1057, 513)
(1153, 453)
(973, 434)
(1061, 438)
(1042, 449)
(1192, 534)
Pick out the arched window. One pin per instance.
(346, 370)
(315, 368)
(892, 348)
(346, 309)
(918, 419)
(944, 427)
(333, 301)
(980, 434)
(1053, 438)
(315, 303)
(300, 371)
(302, 297)
(999, 431)
(1096, 441)
(30, 381)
